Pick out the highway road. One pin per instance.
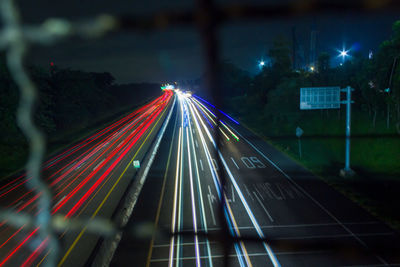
(277, 212)
(88, 180)
(245, 203)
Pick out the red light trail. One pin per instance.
(77, 172)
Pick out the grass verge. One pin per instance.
(375, 158)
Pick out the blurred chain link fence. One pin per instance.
(15, 38)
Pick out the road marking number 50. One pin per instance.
(252, 162)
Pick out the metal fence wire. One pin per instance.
(207, 18)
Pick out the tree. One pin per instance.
(270, 76)
(371, 97)
(234, 81)
(387, 70)
(280, 56)
(103, 80)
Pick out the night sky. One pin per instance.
(176, 54)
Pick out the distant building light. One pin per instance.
(371, 54)
(371, 84)
(261, 64)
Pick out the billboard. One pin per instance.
(319, 98)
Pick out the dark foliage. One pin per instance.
(69, 101)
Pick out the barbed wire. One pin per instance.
(15, 39)
(16, 46)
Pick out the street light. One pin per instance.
(344, 53)
(261, 64)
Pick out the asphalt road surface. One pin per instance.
(274, 212)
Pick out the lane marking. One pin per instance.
(287, 237)
(369, 265)
(212, 196)
(255, 188)
(197, 144)
(264, 208)
(211, 199)
(186, 244)
(248, 192)
(211, 209)
(234, 162)
(311, 198)
(261, 255)
(333, 236)
(271, 254)
(201, 165)
(304, 225)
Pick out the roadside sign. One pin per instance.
(319, 98)
(329, 98)
(299, 132)
(136, 164)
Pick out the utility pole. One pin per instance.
(346, 172)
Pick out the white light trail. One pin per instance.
(173, 223)
(196, 240)
(206, 111)
(243, 200)
(202, 210)
(228, 212)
